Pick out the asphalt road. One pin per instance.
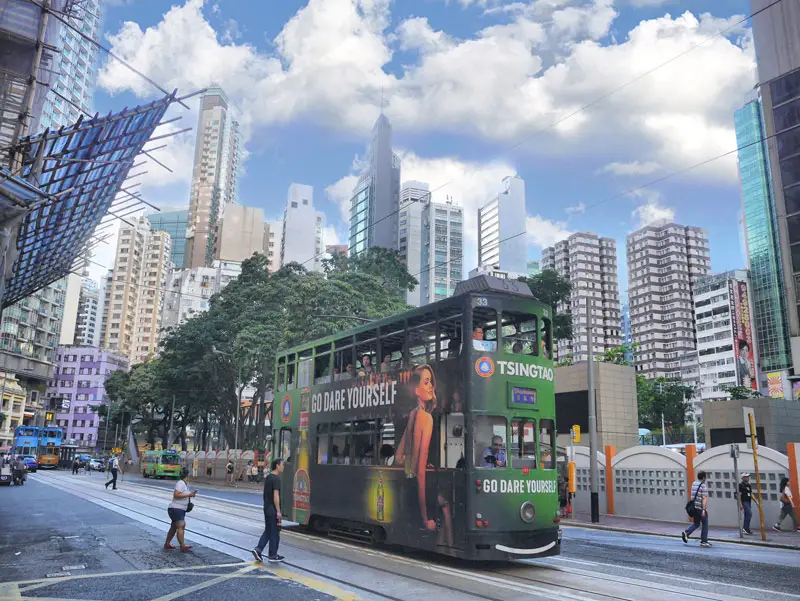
(594, 564)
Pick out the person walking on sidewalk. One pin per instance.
(746, 503)
(700, 516)
(787, 506)
(272, 514)
(114, 471)
(177, 511)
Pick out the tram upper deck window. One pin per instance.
(523, 443)
(490, 441)
(520, 333)
(547, 338)
(366, 353)
(343, 367)
(484, 328)
(322, 364)
(290, 372)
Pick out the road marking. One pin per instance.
(317, 585)
(683, 578)
(203, 585)
(579, 561)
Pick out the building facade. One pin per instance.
(273, 240)
(214, 177)
(589, 263)
(413, 198)
(442, 264)
(664, 262)
(90, 314)
(135, 294)
(189, 291)
(502, 243)
(13, 400)
(241, 233)
(301, 241)
(726, 347)
(175, 224)
(776, 28)
(375, 203)
(78, 387)
(534, 267)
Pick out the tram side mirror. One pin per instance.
(458, 430)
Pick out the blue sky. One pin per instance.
(473, 88)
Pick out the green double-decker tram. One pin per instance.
(432, 429)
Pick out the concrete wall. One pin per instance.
(651, 482)
(780, 419)
(617, 408)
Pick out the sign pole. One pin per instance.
(754, 443)
(736, 495)
(594, 472)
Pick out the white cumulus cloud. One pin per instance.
(631, 168)
(546, 232)
(651, 212)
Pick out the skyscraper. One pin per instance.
(175, 224)
(413, 198)
(775, 32)
(71, 89)
(589, 263)
(664, 262)
(502, 243)
(90, 314)
(214, 178)
(442, 265)
(375, 203)
(136, 292)
(302, 229)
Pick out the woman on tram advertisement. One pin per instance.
(413, 451)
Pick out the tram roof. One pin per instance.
(482, 284)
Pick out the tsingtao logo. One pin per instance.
(286, 409)
(484, 367)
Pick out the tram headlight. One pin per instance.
(527, 512)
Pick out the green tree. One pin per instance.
(659, 397)
(742, 392)
(551, 289)
(619, 354)
(566, 361)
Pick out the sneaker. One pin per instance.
(776, 528)
(748, 532)
(257, 554)
(684, 537)
(276, 558)
(705, 543)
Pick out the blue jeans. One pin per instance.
(272, 533)
(700, 518)
(748, 515)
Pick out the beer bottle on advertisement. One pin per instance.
(380, 499)
(302, 484)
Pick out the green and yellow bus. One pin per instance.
(161, 464)
(432, 429)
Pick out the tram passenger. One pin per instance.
(479, 341)
(366, 366)
(413, 451)
(386, 364)
(495, 455)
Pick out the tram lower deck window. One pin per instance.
(490, 441)
(523, 443)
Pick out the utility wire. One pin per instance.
(559, 121)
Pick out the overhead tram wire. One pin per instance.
(559, 121)
(626, 193)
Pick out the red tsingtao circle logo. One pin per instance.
(484, 367)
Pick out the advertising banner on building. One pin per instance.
(742, 336)
(775, 384)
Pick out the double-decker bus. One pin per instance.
(50, 439)
(432, 429)
(161, 464)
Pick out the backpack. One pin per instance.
(690, 508)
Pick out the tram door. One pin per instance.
(451, 480)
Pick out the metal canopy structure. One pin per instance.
(77, 171)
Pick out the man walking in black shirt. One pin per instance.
(746, 502)
(272, 514)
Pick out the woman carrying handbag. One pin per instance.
(177, 511)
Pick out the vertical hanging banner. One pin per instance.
(743, 335)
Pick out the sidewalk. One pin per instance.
(780, 540)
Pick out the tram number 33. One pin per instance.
(519, 486)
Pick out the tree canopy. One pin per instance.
(207, 361)
(551, 289)
(661, 396)
(737, 393)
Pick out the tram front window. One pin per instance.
(490, 441)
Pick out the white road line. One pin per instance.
(579, 561)
(684, 579)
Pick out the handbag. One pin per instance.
(690, 508)
(189, 507)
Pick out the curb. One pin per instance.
(744, 543)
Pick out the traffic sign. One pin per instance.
(576, 433)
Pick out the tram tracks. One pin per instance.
(416, 565)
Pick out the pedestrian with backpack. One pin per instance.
(697, 509)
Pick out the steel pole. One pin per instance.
(171, 422)
(736, 495)
(594, 474)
